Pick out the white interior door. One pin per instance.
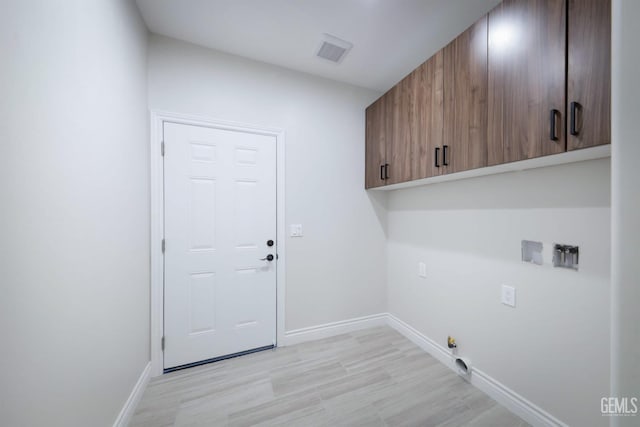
(220, 213)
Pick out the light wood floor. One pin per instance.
(374, 377)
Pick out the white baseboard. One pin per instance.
(335, 328)
(125, 415)
(508, 398)
(517, 404)
(421, 340)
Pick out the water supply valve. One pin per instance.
(451, 342)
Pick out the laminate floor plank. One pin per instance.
(297, 378)
(283, 408)
(371, 377)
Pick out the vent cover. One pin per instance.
(333, 49)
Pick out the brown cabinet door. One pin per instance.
(415, 124)
(465, 102)
(589, 74)
(399, 103)
(427, 116)
(375, 144)
(527, 44)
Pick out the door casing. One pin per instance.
(157, 119)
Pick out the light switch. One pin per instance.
(422, 269)
(508, 295)
(296, 230)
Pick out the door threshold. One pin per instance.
(217, 359)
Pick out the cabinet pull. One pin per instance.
(382, 172)
(386, 171)
(552, 120)
(574, 107)
(436, 155)
(445, 162)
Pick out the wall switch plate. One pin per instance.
(509, 295)
(422, 269)
(296, 230)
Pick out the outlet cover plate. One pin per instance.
(422, 270)
(509, 295)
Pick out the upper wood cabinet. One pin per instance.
(399, 143)
(527, 44)
(465, 105)
(426, 115)
(375, 136)
(403, 125)
(530, 79)
(589, 73)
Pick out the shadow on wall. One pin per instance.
(379, 203)
(489, 216)
(576, 185)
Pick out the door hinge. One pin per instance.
(163, 245)
(162, 343)
(162, 148)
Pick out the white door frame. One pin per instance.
(157, 221)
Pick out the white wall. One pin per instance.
(625, 296)
(553, 348)
(337, 270)
(74, 226)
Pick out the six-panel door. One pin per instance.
(220, 212)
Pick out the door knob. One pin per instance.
(267, 258)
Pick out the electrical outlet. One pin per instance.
(422, 269)
(509, 295)
(296, 230)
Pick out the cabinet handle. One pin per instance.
(382, 172)
(445, 162)
(552, 120)
(386, 171)
(436, 155)
(574, 107)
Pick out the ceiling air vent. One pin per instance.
(333, 49)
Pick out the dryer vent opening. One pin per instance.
(463, 366)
